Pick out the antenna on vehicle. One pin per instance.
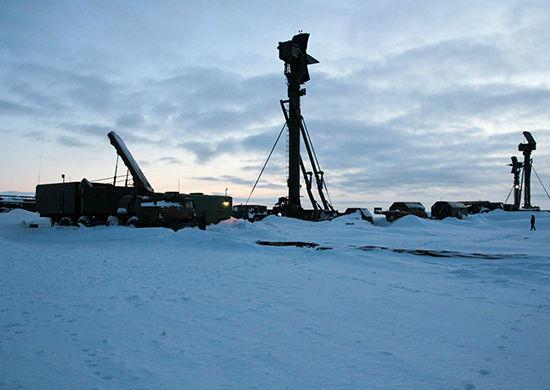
(140, 181)
(527, 148)
(40, 159)
(517, 166)
(296, 59)
(294, 54)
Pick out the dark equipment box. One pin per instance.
(58, 199)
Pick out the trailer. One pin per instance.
(364, 213)
(444, 209)
(401, 209)
(481, 206)
(81, 202)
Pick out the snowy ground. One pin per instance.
(115, 307)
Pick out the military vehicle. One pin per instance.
(91, 203)
(481, 206)
(401, 209)
(79, 202)
(211, 208)
(296, 60)
(527, 148)
(443, 209)
(250, 212)
(173, 210)
(363, 213)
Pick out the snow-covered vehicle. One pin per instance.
(401, 209)
(168, 210)
(250, 212)
(363, 213)
(444, 209)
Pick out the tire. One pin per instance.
(84, 221)
(133, 222)
(202, 221)
(112, 221)
(66, 221)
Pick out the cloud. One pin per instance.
(60, 90)
(236, 180)
(70, 141)
(225, 178)
(130, 120)
(93, 130)
(201, 101)
(205, 151)
(131, 138)
(33, 135)
(169, 160)
(10, 108)
(100, 131)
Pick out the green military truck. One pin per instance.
(211, 208)
(90, 203)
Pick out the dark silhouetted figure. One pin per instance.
(533, 222)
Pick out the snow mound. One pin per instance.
(411, 221)
(19, 216)
(232, 223)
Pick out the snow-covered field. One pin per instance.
(124, 308)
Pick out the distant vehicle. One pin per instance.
(400, 209)
(363, 212)
(481, 206)
(250, 212)
(443, 209)
(10, 202)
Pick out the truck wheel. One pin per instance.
(66, 221)
(133, 222)
(84, 221)
(202, 222)
(112, 221)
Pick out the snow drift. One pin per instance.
(116, 307)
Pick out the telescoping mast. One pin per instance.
(296, 59)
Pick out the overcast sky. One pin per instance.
(411, 100)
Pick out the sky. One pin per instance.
(411, 101)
